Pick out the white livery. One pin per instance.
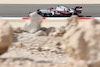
(60, 11)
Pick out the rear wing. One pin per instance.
(78, 9)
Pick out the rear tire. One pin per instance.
(75, 14)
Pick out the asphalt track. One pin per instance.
(22, 10)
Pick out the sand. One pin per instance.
(50, 2)
(30, 50)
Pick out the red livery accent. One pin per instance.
(25, 18)
(43, 18)
(63, 13)
(86, 18)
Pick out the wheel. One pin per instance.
(42, 14)
(75, 14)
(38, 9)
(71, 14)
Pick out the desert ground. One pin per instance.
(50, 43)
(50, 2)
(63, 43)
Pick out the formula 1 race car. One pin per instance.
(60, 11)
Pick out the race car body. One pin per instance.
(60, 11)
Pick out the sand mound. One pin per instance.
(33, 24)
(82, 43)
(6, 36)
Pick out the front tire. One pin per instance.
(42, 14)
